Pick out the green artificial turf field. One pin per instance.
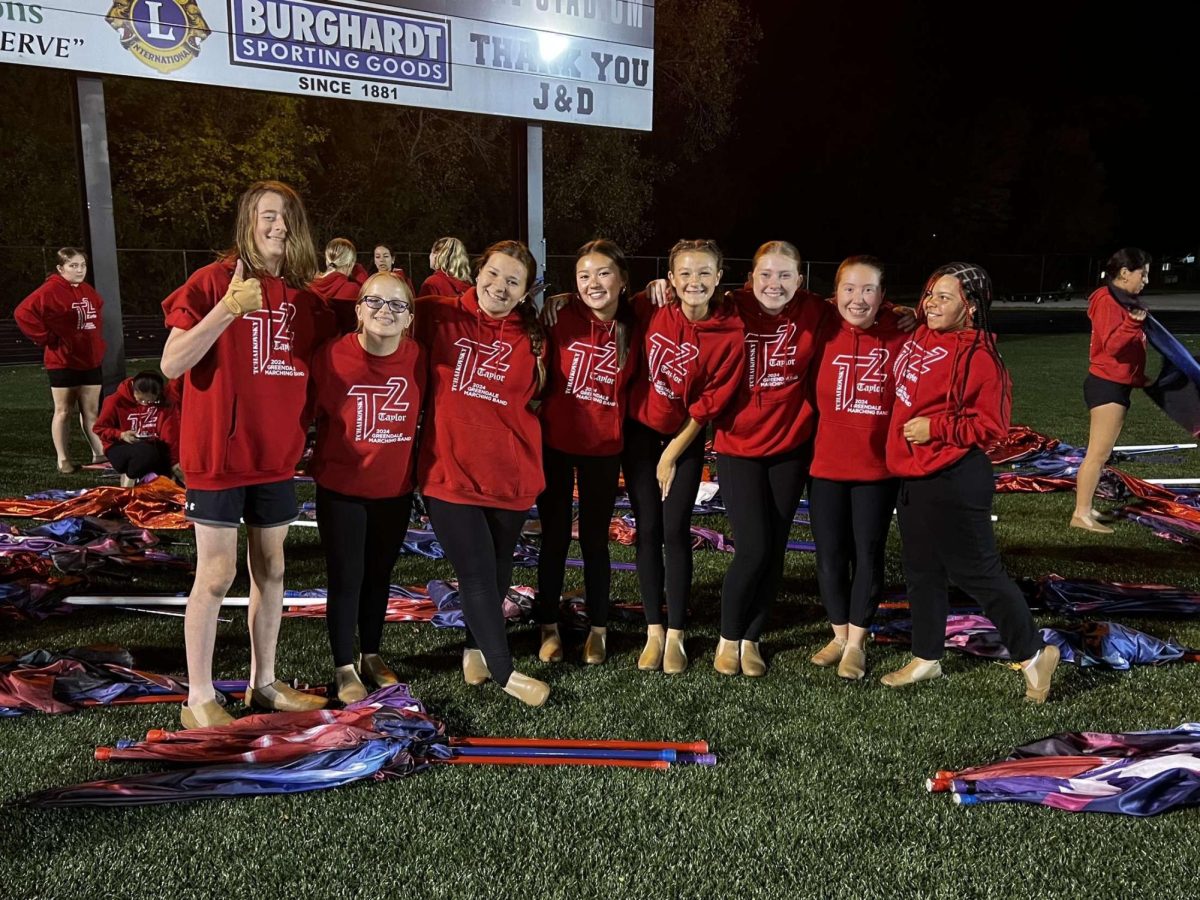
(820, 786)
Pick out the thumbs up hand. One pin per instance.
(244, 294)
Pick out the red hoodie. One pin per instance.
(854, 394)
(340, 293)
(583, 406)
(367, 408)
(121, 412)
(773, 412)
(953, 379)
(1118, 348)
(686, 368)
(443, 284)
(243, 401)
(64, 318)
(481, 444)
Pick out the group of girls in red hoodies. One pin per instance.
(953, 399)
(243, 331)
(339, 286)
(139, 426)
(63, 316)
(451, 269)
(1117, 365)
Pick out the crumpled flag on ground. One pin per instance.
(1087, 596)
(438, 603)
(28, 598)
(158, 504)
(386, 735)
(1133, 773)
(63, 681)
(1104, 644)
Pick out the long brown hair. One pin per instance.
(623, 322)
(299, 255)
(528, 312)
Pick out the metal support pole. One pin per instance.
(100, 229)
(534, 195)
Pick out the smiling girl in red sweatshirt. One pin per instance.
(953, 397)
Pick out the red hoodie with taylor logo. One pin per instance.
(854, 394)
(953, 379)
(583, 406)
(64, 319)
(481, 444)
(367, 408)
(686, 368)
(773, 412)
(443, 284)
(243, 401)
(121, 412)
(1117, 351)
(340, 293)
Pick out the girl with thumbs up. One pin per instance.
(243, 330)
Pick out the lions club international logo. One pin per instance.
(164, 34)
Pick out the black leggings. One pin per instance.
(598, 476)
(140, 459)
(662, 525)
(946, 528)
(760, 498)
(479, 543)
(361, 539)
(850, 521)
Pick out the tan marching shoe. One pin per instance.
(854, 663)
(350, 688)
(651, 657)
(830, 654)
(375, 670)
(1039, 673)
(753, 664)
(528, 690)
(595, 648)
(1085, 523)
(66, 467)
(475, 670)
(551, 650)
(209, 714)
(278, 697)
(127, 482)
(674, 657)
(916, 670)
(727, 660)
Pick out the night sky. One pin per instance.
(869, 128)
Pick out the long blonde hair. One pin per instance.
(299, 255)
(341, 254)
(450, 256)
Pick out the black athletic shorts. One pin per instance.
(1097, 391)
(69, 378)
(258, 505)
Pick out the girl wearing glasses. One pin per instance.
(365, 395)
(480, 466)
(953, 398)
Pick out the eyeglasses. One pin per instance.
(396, 306)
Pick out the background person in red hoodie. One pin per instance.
(852, 495)
(140, 429)
(582, 412)
(338, 287)
(365, 394)
(480, 464)
(953, 398)
(63, 316)
(690, 368)
(385, 261)
(1117, 364)
(763, 441)
(244, 330)
(451, 269)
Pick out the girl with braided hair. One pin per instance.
(480, 464)
(953, 398)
